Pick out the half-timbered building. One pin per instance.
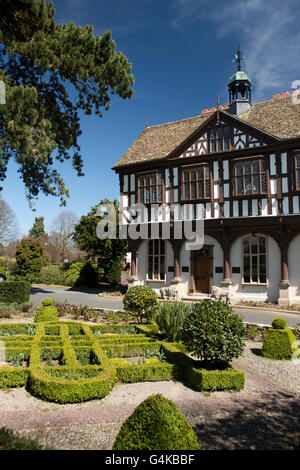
(238, 168)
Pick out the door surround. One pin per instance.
(206, 253)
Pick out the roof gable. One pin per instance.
(227, 133)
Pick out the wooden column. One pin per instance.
(226, 257)
(176, 248)
(284, 262)
(226, 245)
(284, 297)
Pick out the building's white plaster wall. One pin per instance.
(294, 269)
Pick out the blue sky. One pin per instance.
(182, 52)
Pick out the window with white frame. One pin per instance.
(156, 260)
(255, 260)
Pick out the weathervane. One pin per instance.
(238, 58)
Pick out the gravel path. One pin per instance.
(265, 415)
(286, 374)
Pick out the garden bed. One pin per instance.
(74, 362)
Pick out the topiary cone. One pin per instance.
(156, 424)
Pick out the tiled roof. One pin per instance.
(279, 117)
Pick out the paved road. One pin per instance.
(90, 298)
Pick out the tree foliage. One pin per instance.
(212, 331)
(105, 251)
(141, 302)
(38, 228)
(30, 257)
(51, 72)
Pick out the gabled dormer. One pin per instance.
(224, 133)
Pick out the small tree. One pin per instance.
(30, 257)
(108, 252)
(212, 331)
(115, 272)
(38, 228)
(141, 301)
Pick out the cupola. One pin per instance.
(239, 87)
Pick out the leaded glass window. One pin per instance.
(250, 177)
(196, 183)
(220, 139)
(150, 188)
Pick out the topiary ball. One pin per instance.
(213, 332)
(47, 302)
(141, 301)
(279, 323)
(156, 424)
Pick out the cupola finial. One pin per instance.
(238, 58)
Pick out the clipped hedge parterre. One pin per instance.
(70, 362)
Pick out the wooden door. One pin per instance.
(202, 275)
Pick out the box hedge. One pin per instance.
(68, 363)
(156, 424)
(14, 291)
(210, 380)
(46, 314)
(280, 344)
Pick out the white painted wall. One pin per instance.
(294, 262)
(217, 259)
(256, 293)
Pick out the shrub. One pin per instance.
(156, 424)
(77, 312)
(46, 314)
(47, 302)
(25, 307)
(212, 331)
(141, 302)
(6, 310)
(30, 257)
(72, 275)
(14, 291)
(88, 275)
(279, 323)
(12, 441)
(280, 344)
(114, 274)
(216, 379)
(170, 318)
(82, 274)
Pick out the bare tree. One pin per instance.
(62, 229)
(9, 231)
